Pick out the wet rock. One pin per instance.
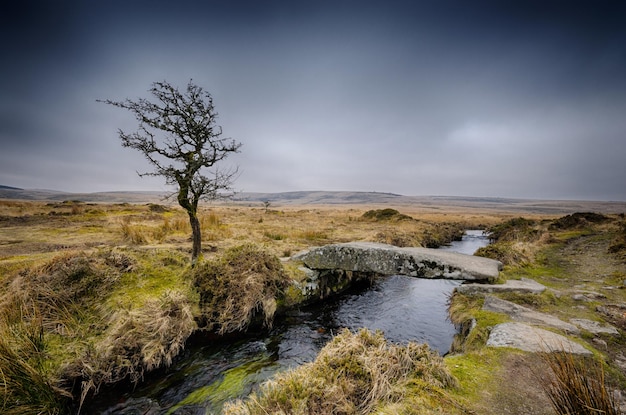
(532, 339)
(526, 315)
(594, 327)
(382, 259)
(525, 286)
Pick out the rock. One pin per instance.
(526, 315)
(382, 259)
(588, 296)
(594, 327)
(600, 343)
(524, 285)
(532, 339)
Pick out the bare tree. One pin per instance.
(179, 136)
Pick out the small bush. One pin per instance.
(577, 220)
(518, 229)
(385, 215)
(236, 287)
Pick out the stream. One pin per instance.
(207, 375)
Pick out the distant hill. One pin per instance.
(304, 198)
(8, 192)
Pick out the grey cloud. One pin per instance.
(496, 99)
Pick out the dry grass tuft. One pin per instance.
(234, 288)
(133, 233)
(577, 386)
(26, 386)
(136, 342)
(353, 374)
(61, 292)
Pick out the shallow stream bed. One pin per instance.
(205, 376)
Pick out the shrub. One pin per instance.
(385, 215)
(517, 229)
(577, 220)
(236, 287)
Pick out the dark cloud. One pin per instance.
(478, 98)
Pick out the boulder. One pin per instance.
(527, 315)
(382, 259)
(524, 286)
(532, 339)
(594, 327)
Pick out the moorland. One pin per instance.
(97, 292)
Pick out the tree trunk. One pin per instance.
(196, 237)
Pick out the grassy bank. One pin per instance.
(93, 294)
(97, 293)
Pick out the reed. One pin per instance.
(578, 386)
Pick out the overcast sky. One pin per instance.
(468, 98)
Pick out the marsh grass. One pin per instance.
(136, 341)
(357, 373)
(26, 386)
(111, 312)
(237, 287)
(577, 386)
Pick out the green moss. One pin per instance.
(475, 370)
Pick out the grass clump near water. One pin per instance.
(243, 284)
(44, 310)
(357, 373)
(62, 324)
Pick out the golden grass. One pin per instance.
(357, 373)
(111, 288)
(245, 282)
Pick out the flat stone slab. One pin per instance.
(526, 315)
(594, 327)
(383, 259)
(532, 339)
(525, 286)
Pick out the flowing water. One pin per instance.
(199, 382)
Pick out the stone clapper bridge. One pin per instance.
(332, 269)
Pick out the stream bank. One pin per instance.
(205, 376)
